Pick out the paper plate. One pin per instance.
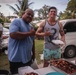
(55, 73)
(57, 42)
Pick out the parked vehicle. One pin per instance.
(69, 26)
(5, 41)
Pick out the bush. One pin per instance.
(2, 20)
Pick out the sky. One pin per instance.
(60, 4)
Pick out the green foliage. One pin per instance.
(7, 20)
(70, 10)
(65, 15)
(4, 20)
(71, 5)
(21, 7)
(35, 26)
(1, 20)
(42, 12)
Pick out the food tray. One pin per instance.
(64, 66)
(26, 69)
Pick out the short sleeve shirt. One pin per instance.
(20, 50)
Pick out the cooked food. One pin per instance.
(64, 66)
(31, 73)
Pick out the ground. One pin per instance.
(4, 63)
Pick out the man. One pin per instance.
(21, 42)
(50, 30)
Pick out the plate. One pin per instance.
(58, 42)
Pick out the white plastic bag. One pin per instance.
(34, 64)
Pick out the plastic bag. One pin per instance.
(34, 64)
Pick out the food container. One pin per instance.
(64, 66)
(26, 69)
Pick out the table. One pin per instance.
(40, 71)
(43, 71)
(73, 60)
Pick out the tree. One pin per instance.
(65, 15)
(70, 11)
(21, 7)
(42, 12)
(3, 19)
(72, 7)
(45, 11)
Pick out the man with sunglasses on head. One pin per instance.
(50, 30)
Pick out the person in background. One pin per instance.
(21, 50)
(50, 30)
(1, 31)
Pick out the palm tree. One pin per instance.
(21, 7)
(71, 6)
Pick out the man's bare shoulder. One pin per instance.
(60, 24)
(42, 24)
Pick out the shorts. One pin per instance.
(50, 54)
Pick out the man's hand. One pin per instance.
(47, 33)
(32, 32)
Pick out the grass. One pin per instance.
(38, 49)
(4, 64)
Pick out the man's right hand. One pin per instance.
(47, 33)
(32, 32)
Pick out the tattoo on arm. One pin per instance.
(62, 32)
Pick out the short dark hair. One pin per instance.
(52, 8)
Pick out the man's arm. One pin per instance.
(62, 32)
(22, 35)
(4, 37)
(40, 31)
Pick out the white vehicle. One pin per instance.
(69, 26)
(5, 41)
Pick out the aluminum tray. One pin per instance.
(59, 70)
